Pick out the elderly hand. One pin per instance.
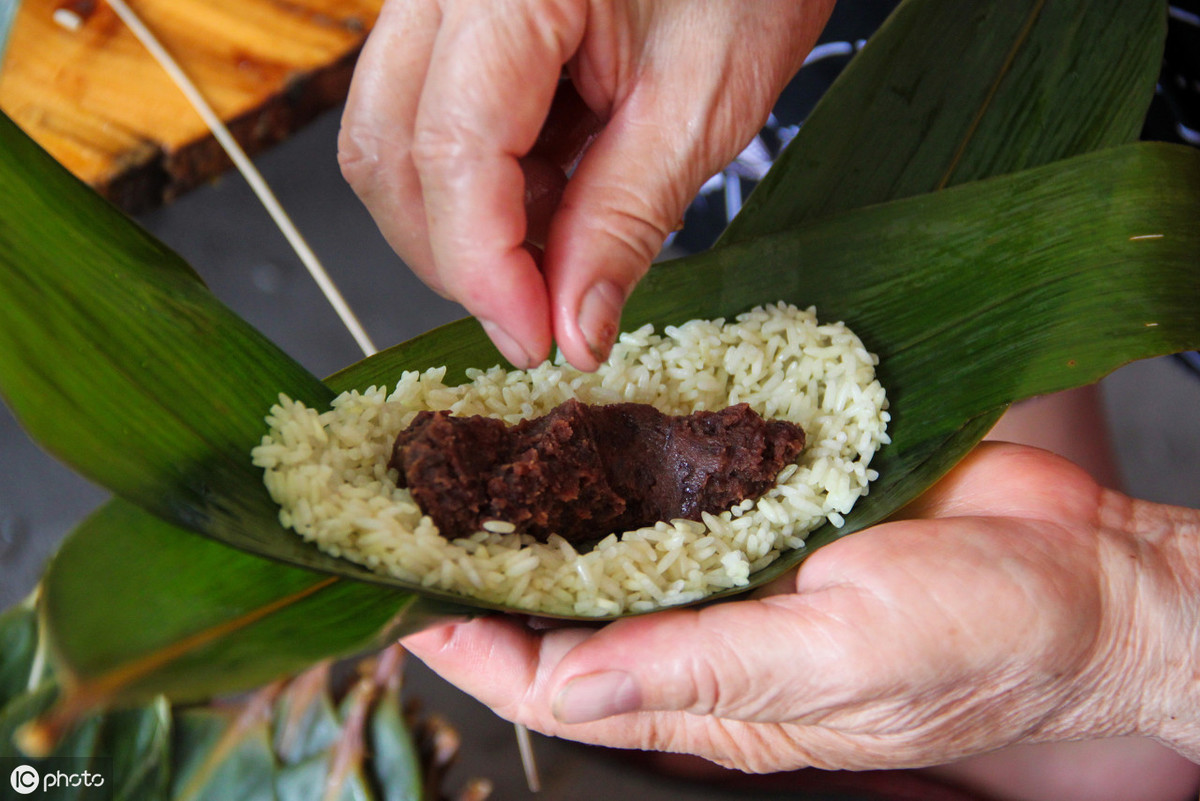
(449, 95)
(1016, 602)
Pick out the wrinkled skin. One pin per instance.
(1017, 602)
(450, 94)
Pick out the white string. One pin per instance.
(250, 172)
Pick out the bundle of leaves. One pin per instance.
(324, 734)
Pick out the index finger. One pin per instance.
(493, 72)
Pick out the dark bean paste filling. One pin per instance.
(584, 471)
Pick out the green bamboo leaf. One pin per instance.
(210, 621)
(1007, 87)
(117, 359)
(1035, 108)
(945, 93)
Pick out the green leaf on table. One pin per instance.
(289, 741)
(130, 747)
(19, 638)
(391, 740)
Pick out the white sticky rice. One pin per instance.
(328, 471)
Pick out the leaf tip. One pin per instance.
(38, 738)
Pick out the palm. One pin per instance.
(982, 619)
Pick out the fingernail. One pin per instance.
(507, 345)
(596, 696)
(599, 314)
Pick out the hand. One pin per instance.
(449, 95)
(1017, 602)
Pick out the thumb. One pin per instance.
(759, 661)
(627, 194)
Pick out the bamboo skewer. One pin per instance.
(249, 172)
(528, 762)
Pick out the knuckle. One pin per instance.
(704, 687)
(640, 234)
(436, 148)
(626, 217)
(359, 155)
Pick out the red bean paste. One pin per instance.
(585, 471)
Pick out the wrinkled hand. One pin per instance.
(449, 95)
(1017, 602)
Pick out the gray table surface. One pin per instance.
(222, 231)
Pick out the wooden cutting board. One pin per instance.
(93, 96)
